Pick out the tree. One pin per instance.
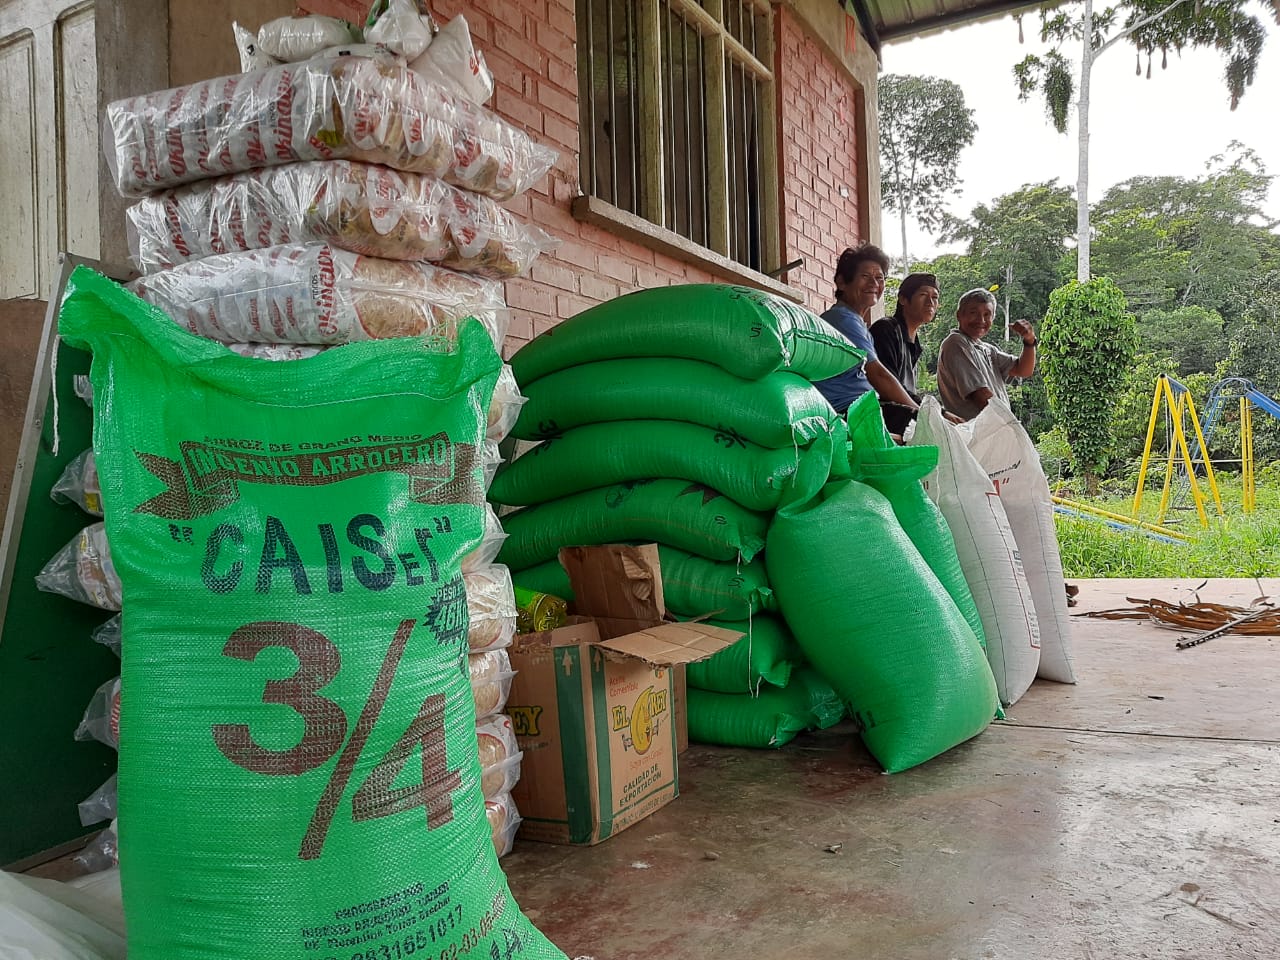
(1191, 337)
(1148, 25)
(1087, 341)
(1171, 242)
(924, 124)
(1018, 242)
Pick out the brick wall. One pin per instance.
(530, 45)
(817, 158)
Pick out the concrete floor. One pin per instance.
(1136, 815)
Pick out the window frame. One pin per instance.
(649, 221)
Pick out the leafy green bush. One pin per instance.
(1088, 341)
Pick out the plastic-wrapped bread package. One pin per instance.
(290, 39)
(354, 108)
(79, 482)
(315, 294)
(453, 62)
(404, 27)
(275, 351)
(504, 820)
(82, 570)
(491, 675)
(491, 607)
(483, 555)
(500, 755)
(101, 719)
(359, 207)
(251, 55)
(504, 409)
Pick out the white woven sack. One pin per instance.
(1010, 459)
(987, 551)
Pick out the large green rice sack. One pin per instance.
(600, 454)
(771, 719)
(298, 765)
(778, 410)
(692, 586)
(764, 655)
(687, 515)
(896, 472)
(874, 620)
(747, 332)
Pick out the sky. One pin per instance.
(1166, 126)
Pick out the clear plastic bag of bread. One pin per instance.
(275, 352)
(99, 805)
(103, 851)
(316, 294)
(504, 409)
(291, 39)
(82, 570)
(251, 55)
(504, 821)
(491, 607)
(328, 108)
(490, 461)
(367, 209)
(490, 544)
(79, 483)
(109, 633)
(405, 27)
(101, 719)
(453, 62)
(491, 675)
(500, 755)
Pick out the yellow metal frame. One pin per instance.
(1176, 412)
(1246, 454)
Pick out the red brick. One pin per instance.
(621, 270)
(677, 269)
(568, 305)
(527, 295)
(579, 254)
(557, 41)
(596, 288)
(555, 275)
(557, 101)
(508, 43)
(521, 327)
(563, 75)
(560, 133)
(514, 107)
(649, 277)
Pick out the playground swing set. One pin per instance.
(1174, 399)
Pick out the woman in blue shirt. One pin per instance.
(859, 280)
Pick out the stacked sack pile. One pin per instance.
(642, 439)
(353, 195)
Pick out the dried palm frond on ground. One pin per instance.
(1263, 619)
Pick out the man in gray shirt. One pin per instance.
(971, 372)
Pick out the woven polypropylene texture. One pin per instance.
(896, 472)
(878, 625)
(764, 655)
(601, 454)
(298, 770)
(771, 719)
(692, 586)
(746, 331)
(778, 410)
(687, 515)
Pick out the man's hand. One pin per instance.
(1023, 329)
(952, 418)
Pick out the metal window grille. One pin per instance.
(677, 114)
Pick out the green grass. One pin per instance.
(1238, 545)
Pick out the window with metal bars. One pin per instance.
(677, 118)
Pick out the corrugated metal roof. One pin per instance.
(887, 20)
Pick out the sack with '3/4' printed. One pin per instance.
(299, 775)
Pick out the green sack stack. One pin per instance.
(298, 737)
(679, 416)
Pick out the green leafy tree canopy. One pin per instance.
(924, 125)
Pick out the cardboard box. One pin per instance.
(593, 702)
